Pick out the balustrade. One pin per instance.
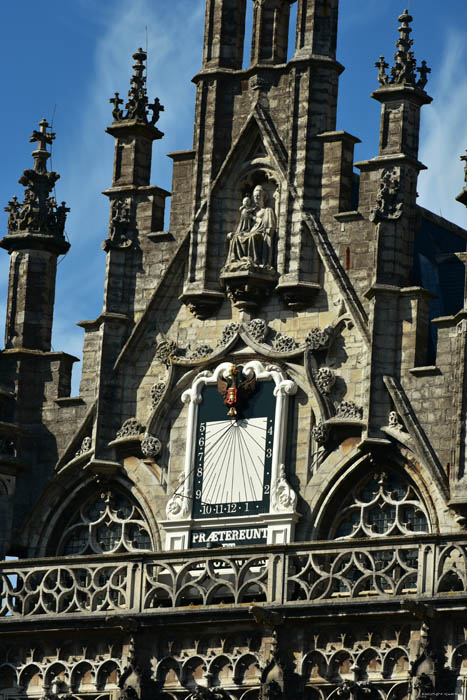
(296, 574)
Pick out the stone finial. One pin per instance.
(39, 211)
(462, 197)
(41, 154)
(137, 106)
(382, 66)
(464, 159)
(404, 70)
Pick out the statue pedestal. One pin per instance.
(248, 289)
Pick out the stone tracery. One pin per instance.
(381, 504)
(106, 522)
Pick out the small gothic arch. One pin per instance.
(370, 664)
(52, 512)
(31, 679)
(221, 670)
(8, 678)
(193, 670)
(57, 675)
(103, 521)
(375, 499)
(247, 670)
(314, 667)
(107, 675)
(396, 663)
(459, 660)
(82, 677)
(452, 570)
(168, 672)
(340, 665)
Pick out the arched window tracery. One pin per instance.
(381, 504)
(107, 522)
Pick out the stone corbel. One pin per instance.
(203, 304)
(247, 290)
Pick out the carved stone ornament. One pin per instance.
(151, 446)
(325, 380)
(318, 338)
(131, 680)
(130, 428)
(249, 274)
(284, 343)
(405, 67)
(388, 203)
(349, 409)
(251, 245)
(120, 222)
(248, 293)
(284, 498)
(257, 328)
(229, 333)
(39, 212)
(86, 445)
(166, 351)
(137, 106)
(203, 307)
(320, 433)
(178, 506)
(394, 422)
(157, 392)
(200, 353)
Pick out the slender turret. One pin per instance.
(35, 239)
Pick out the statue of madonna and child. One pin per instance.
(251, 245)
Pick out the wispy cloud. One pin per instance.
(444, 133)
(88, 155)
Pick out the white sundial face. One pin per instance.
(234, 457)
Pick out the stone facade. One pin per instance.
(285, 281)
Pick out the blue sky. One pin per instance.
(76, 53)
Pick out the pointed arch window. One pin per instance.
(381, 504)
(108, 522)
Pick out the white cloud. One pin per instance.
(87, 158)
(444, 134)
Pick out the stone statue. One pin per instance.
(28, 215)
(251, 244)
(464, 158)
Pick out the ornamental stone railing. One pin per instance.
(297, 574)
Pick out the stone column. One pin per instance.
(317, 27)
(224, 32)
(270, 31)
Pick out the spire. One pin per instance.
(38, 212)
(404, 71)
(137, 107)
